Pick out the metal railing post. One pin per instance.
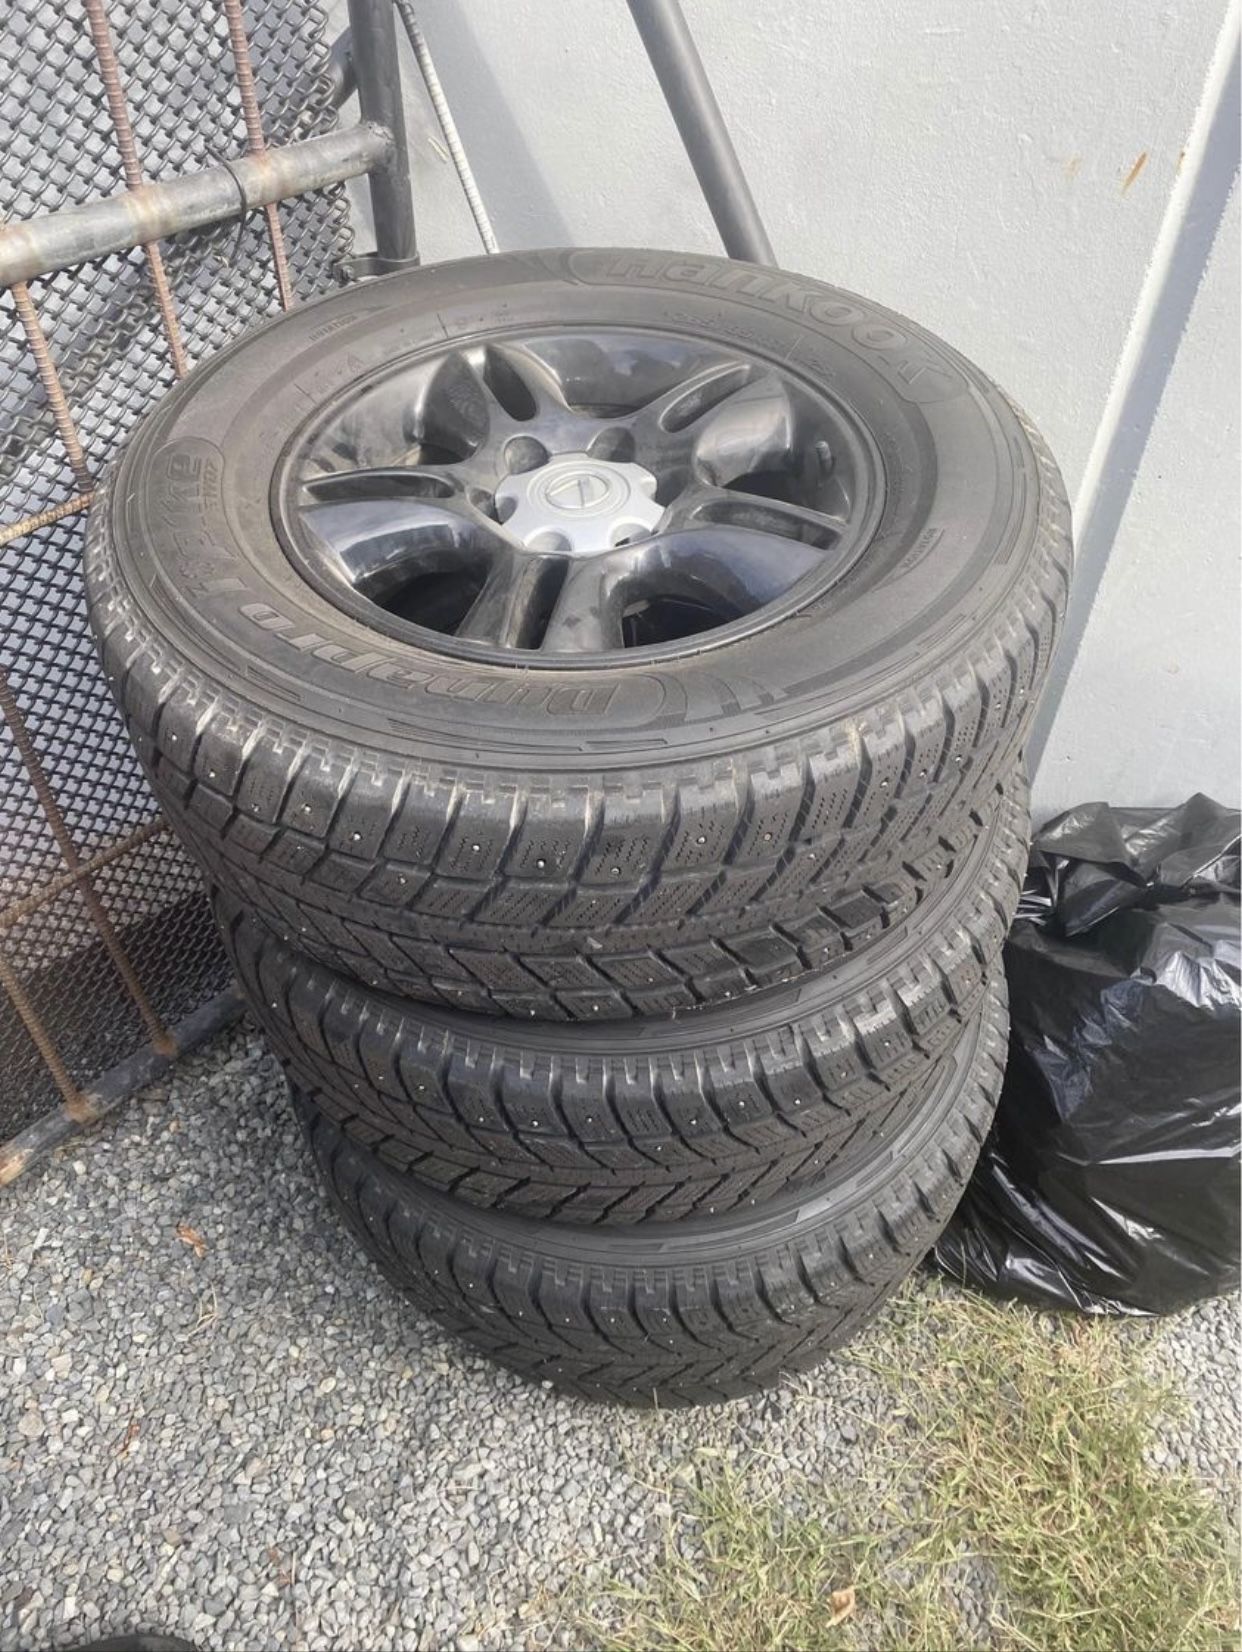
(373, 52)
(692, 103)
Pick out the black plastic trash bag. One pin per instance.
(1110, 1181)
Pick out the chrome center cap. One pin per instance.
(577, 505)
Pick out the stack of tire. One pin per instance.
(644, 1014)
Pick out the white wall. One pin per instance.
(975, 165)
(1151, 710)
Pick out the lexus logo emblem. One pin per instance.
(578, 491)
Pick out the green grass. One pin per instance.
(1015, 1442)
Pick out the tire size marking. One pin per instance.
(187, 484)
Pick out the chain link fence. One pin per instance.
(108, 961)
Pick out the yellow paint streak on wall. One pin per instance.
(1134, 171)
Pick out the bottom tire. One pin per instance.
(689, 1312)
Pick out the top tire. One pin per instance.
(528, 627)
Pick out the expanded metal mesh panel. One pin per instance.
(105, 941)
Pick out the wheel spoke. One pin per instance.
(754, 429)
(434, 412)
(690, 400)
(733, 569)
(379, 545)
(524, 386)
(776, 518)
(455, 406)
(379, 482)
(591, 606)
(725, 421)
(526, 394)
(509, 608)
(503, 407)
(378, 427)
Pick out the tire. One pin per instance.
(681, 967)
(547, 842)
(685, 1313)
(655, 1119)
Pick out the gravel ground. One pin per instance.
(218, 1421)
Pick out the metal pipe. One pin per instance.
(59, 240)
(688, 93)
(444, 114)
(378, 74)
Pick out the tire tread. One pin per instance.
(690, 1331)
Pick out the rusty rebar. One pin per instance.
(41, 1038)
(106, 1092)
(256, 143)
(110, 73)
(43, 519)
(26, 904)
(64, 841)
(49, 378)
(448, 126)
